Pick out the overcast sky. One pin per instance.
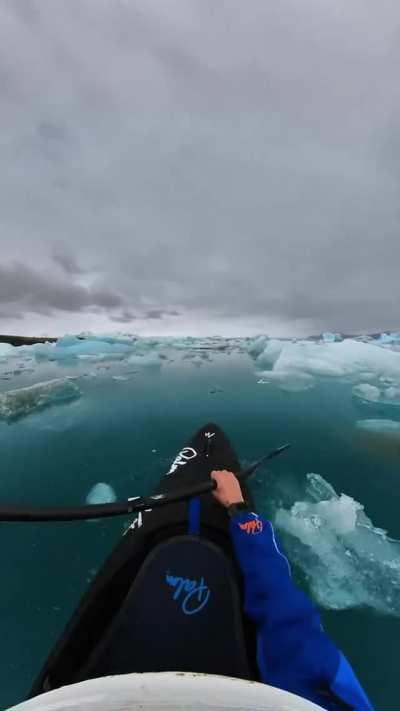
(199, 166)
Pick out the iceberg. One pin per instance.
(15, 404)
(347, 561)
(270, 354)
(349, 360)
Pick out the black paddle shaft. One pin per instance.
(119, 508)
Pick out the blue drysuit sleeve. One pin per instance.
(294, 653)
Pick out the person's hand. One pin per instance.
(228, 489)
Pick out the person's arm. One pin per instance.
(294, 653)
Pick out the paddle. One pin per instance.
(134, 505)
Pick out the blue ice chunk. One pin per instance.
(329, 337)
(389, 338)
(67, 341)
(71, 348)
(101, 493)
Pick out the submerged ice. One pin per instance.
(17, 403)
(347, 561)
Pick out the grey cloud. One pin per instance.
(6, 315)
(125, 317)
(203, 158)
(23, 288)
(67, 262)
(53, 131)
(27, 10)
(151, 314)
(159, 313)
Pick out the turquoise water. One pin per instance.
(125, 432)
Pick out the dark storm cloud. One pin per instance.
(125, 317)
(24, 289)
(11, 315)
(159, 313)
(203, 159)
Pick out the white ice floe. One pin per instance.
(347, 561)
(20, 402)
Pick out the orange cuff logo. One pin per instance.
(252, 527)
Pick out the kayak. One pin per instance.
(170, 596)
(164, 691)
(162, 625)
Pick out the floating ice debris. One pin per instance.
(291, 382)
(101, 493)
(150, 360)
(347, 560)
(215, 390)
(197, 360)
(388, 428)
(18, 403)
